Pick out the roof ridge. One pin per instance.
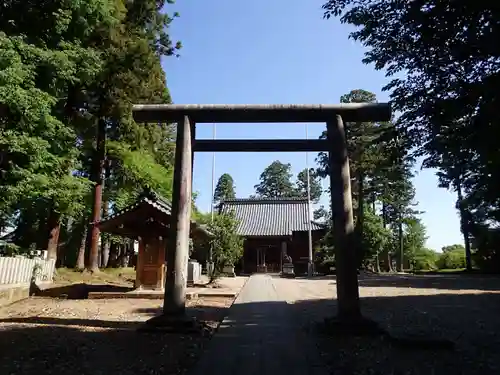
(149, 193)
(257, 200)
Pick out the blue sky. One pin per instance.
(262, 51)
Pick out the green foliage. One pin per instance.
(37, 149)
(227, 245)
(453, 248)
(424, 260)
(414, 236)
(381, 178)
(225, 188)
(276, 181)
(69, 71)
(485, 242)
(139, 169)
(448, 96)
(453, 259)
(315, 189)
(375, 237)
(10, 249)
(321, 214)
(324, 254)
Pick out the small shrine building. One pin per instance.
(148, 220)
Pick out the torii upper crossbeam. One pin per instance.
(258, 113)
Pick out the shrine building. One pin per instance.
(273, 228)
(147, 220)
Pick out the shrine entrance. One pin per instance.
(187, 116)
(268, 259)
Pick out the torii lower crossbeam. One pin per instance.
(261, 145)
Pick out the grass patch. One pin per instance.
(119, 276)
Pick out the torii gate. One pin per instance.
(188, 115)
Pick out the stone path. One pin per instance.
(260, 337)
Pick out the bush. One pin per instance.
(424, 260)
(227, 245)
(325, 265)
(451, 260)
(9, 249)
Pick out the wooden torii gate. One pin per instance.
(188, 115)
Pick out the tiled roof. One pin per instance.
(270, 217)
(154, 200)
(148, 197)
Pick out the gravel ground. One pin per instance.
(52, 336)
(458, 308)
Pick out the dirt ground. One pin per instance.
(462, 309)
(57, 336)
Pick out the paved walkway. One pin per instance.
(260, 337)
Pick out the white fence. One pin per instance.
(20, 270)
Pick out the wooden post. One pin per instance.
(343, 223)
(282, 254)
(161, 261)
(140, 263)
(178, 241)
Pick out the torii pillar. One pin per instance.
(178, 241)
(174, 305)
(343, 223)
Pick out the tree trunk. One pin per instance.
(105, 242)
(349, 309)
(464, 226)
(63, 254)
(97, 172)
(124, 255)
(54, 228)
(80, 260)
(360, 219)
(386, 256)
(377, 260)
(377, 254)
(105, 249)
(401, 244)
(113, 255)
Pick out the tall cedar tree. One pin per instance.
(95, 58)
(132, 74)
(315, 189)
(276, 181)
(381, 173)
(225, 188)
(38, 138)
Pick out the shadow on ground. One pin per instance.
(50, 345)
(58, 346)
(469, 320)
(77, 291)
(443, 281)
(82, 290)
(450, 281)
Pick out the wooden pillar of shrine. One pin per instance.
(178, 239)
(150, 269)
(343, 223)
